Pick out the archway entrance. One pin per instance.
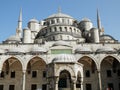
(90, 74)
(64, 82)
(36, 74)
(12, 73)
(110, 73)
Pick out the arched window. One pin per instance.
(74, 30)
(53, 38)
(63, 21)
(58, 21)
(70, 29)
(66, 29)
(55, 29)
(50, 30)
(52, 21)
(60, 28)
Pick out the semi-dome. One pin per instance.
(64, 58)
(61, 43)
(61, 15)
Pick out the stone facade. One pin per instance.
(60, 53)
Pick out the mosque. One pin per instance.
(60, 53)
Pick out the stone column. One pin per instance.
(0, 71)
(74, 83)
(81, 83)
(99, 79)
(56, 79)
(24, 80)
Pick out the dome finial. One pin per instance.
(59, 9)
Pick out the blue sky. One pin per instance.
(109, 11)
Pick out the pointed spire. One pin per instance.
(20, 20)
(59, 9)
(20, 16)
(98, 20)
(19, 27)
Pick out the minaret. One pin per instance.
(98, 20)
(101, 31)
(19, 27)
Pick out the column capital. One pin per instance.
(24, 71)
(56, 79)
(98, 70)
(0, 71)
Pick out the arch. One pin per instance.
(15, 57)
(36, 68)
(111, 60)
(64, 79)
(11, 63)
(92, 58)
(114, 56)
(110, 66)
(68, 68)
(90, 63)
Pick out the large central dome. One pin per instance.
(59, 14)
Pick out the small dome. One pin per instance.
(13, 38)
(85, 20)
(105, 49)
(15, 50)
(64, 58)
(34, 20)
(39, 49)
(106, 37)
(82, 49)
(59, 15)
(61, 43)
(26, 28)
(2, 51)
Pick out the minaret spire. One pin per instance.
(59, 9)
(100, 28)
(19, 27)
(98, 20)
(20, 19)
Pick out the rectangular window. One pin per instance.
(88, 87)
(33, 87)
(44, 74)
(61, 51)
(11, 87)
(44, 87)
(118, 72)
(109, 73)
(34, 74)
(78, 85)
(110, 86)
(2, 74)
(1, 87)
(13, 74)
(87, 73)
